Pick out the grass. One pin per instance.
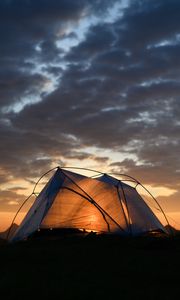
(94, 267)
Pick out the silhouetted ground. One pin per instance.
(91, 267)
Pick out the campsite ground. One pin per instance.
(94, 267)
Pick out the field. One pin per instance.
(91, 267)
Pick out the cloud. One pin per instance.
(146, 23)
(10, 200)
(73, 77)
(152, 171)
(13, 203)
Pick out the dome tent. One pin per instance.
(100, 203)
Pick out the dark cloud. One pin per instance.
(14, 86)
(152, 171)
(29, 31)
(92, 46)
(149, 22)
(113, 86)
(85, 155)
(174, 199)
(10, 200)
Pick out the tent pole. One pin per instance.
(119, 197)
(92, 200)
(139, 183)
(9, 230)
(42, 177)
(125, 200)
(33, 193)
(85, 169)
(158, 206)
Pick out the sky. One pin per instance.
(90, 83)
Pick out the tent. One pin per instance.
(100, 203)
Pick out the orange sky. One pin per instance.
(6, 219)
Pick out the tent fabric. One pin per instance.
(74, 210)
(105, 204)
(139, 215)
(33, 219)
